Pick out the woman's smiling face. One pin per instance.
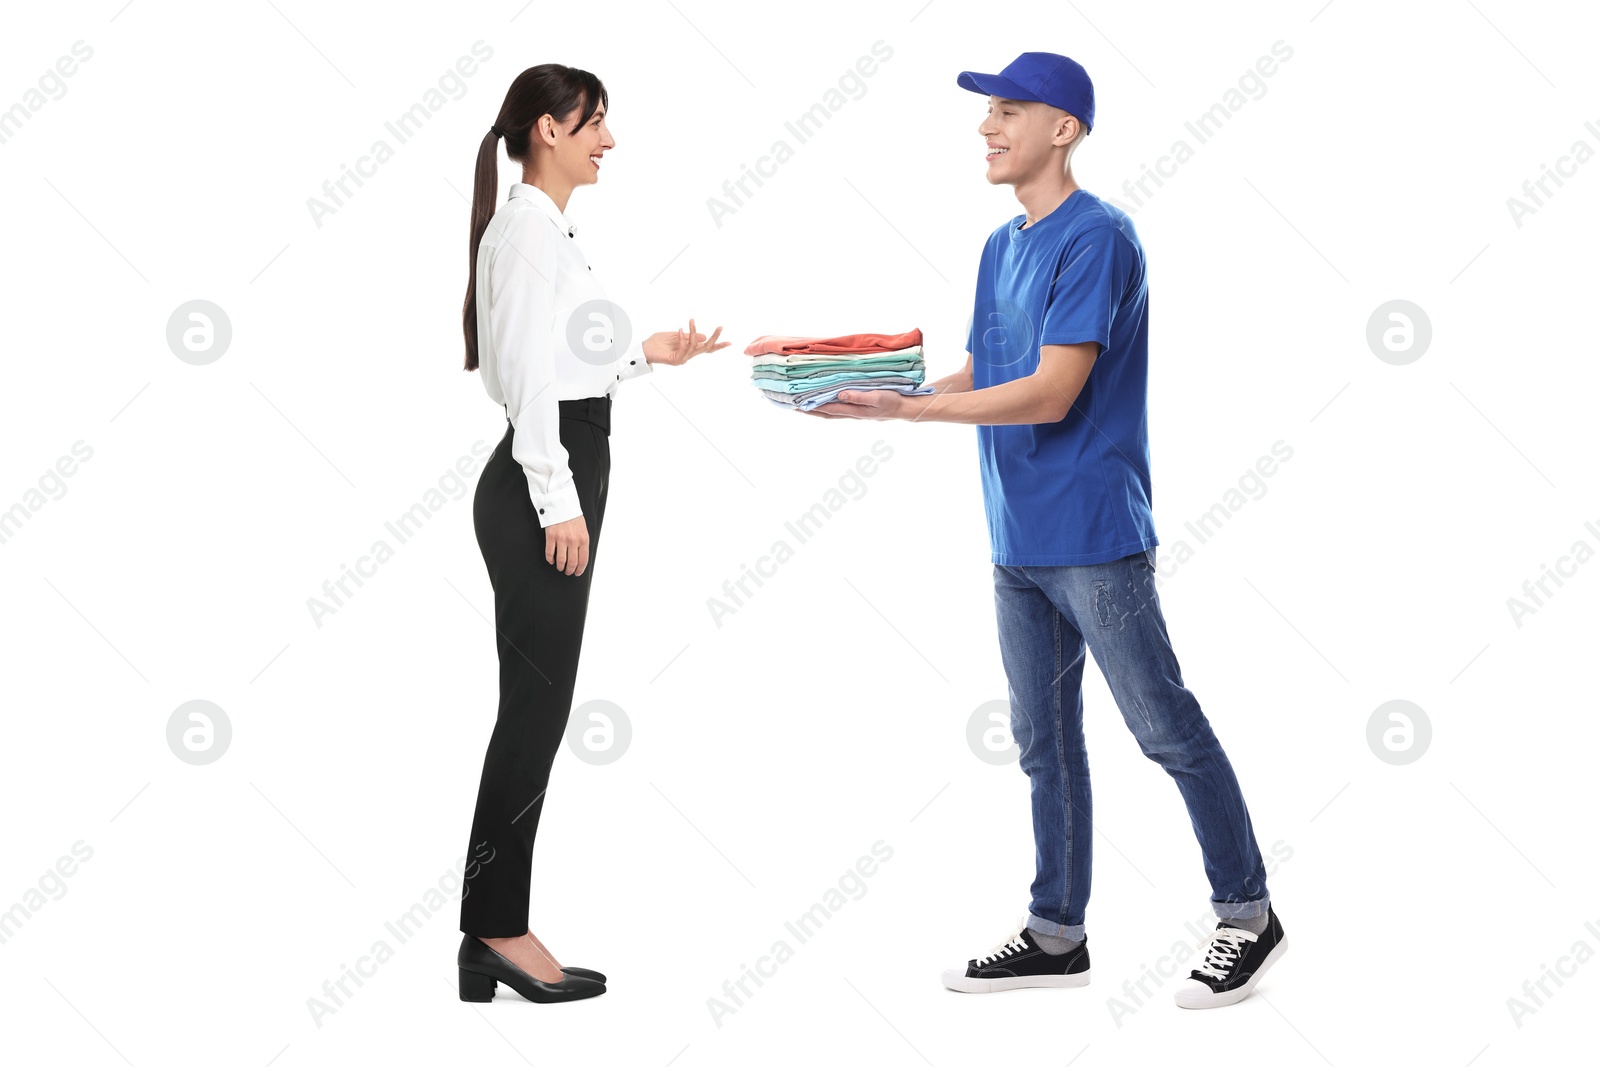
(578, 155)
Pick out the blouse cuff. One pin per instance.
(558, 506)
(632, 364)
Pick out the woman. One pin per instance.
(553, 351)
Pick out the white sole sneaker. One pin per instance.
(959, 981)
(1203, 997)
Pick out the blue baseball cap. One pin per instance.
(1042, 76)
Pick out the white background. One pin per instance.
(831, 710)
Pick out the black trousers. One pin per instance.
(539, 614)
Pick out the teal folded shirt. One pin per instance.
(796, 374)
(817, 359)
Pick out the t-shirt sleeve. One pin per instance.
(1088, 288)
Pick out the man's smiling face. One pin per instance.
(1018, 136)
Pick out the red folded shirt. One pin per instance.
(852, 343)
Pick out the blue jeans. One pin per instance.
(1046, 616)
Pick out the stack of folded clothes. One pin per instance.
(804, 372)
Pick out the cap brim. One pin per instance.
(993, 85)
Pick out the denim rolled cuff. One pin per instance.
(1045, 926)
(1241, 909)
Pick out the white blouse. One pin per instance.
(532, 279)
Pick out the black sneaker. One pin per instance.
(1234, 962)
(1019, 963)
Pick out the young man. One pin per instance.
(1055, 383)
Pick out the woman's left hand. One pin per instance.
(677, 348)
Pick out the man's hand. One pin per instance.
(865, 404)
(566, 545)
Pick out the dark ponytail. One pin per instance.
(548, 89)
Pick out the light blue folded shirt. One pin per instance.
(831, 395)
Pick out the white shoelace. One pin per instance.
(1223, 950)
(1004, 949)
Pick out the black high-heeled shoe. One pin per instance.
(479, 967)
(584, 972)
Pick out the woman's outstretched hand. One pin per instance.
(677, 348)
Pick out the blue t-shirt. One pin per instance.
(1077, 491)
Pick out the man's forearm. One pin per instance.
(959, 382)
(1011, 403)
